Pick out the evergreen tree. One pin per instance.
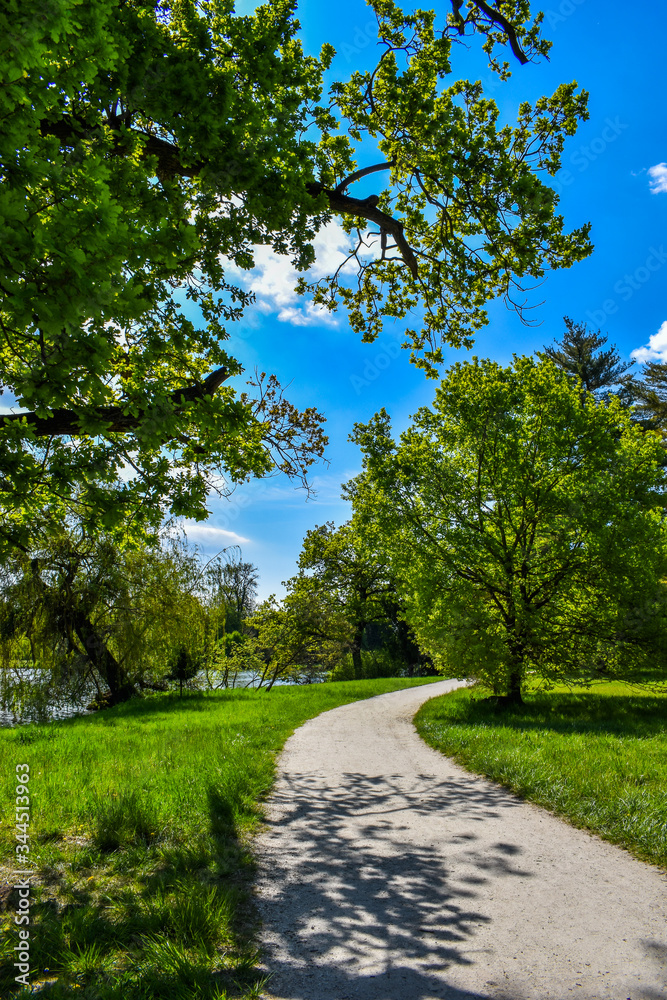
(580, 354)
(650, 396)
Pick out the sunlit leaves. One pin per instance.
(523, 524)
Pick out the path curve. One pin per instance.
(387, 872)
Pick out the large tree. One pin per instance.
(93, 615)
(524, 529)
(148, 146)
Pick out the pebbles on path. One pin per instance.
(387, 872)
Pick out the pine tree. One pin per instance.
(650, 396)
(579, 353)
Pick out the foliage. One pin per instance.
(338, 568)
(595, 758)
(82, 614)
(523, 526)
(147, 149)
(305, 636)
(233, 585)
(139, 825)
(650, 397)
(185, 668)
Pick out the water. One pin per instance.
(66, 709)
(62, 706)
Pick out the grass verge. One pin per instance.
(139, 839)
(598, 758)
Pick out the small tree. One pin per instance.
(339, 565)
(184, 669)
(301, 639)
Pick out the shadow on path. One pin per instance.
(362, 905)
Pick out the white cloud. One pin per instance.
(658, 175)
(273, 278)
(656, 350)
(209, 535)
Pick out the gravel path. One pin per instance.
(389, 873)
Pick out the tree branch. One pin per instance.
(366, 208)
(114, 419)
(358, 174)
(500, 19)
(69, 131)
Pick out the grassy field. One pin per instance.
(139, 834)
(597, 758)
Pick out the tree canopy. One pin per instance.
(339, 567)
(523, 527)
(148, 147)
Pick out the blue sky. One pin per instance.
(614, 175)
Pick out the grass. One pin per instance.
(598, 758)
(140, 827)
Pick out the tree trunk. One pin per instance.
(356, 661)
(103, 660)
(513, 696)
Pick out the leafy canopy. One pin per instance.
(523, 525)
(148, 147)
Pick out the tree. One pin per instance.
(93, 614)
(233, 585)
(650, 397)
(185, 668)
(302, 638)
(525, 529)
(340, 568)
(580, 354)
(147, 147)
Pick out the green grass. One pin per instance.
(598, 758)
(140, 828)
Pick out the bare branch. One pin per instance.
(358, 174)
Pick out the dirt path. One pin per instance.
(389, 873)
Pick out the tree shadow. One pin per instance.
(143, 919)
(627, 715)
(355, 909)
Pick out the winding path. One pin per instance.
(389, 873)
